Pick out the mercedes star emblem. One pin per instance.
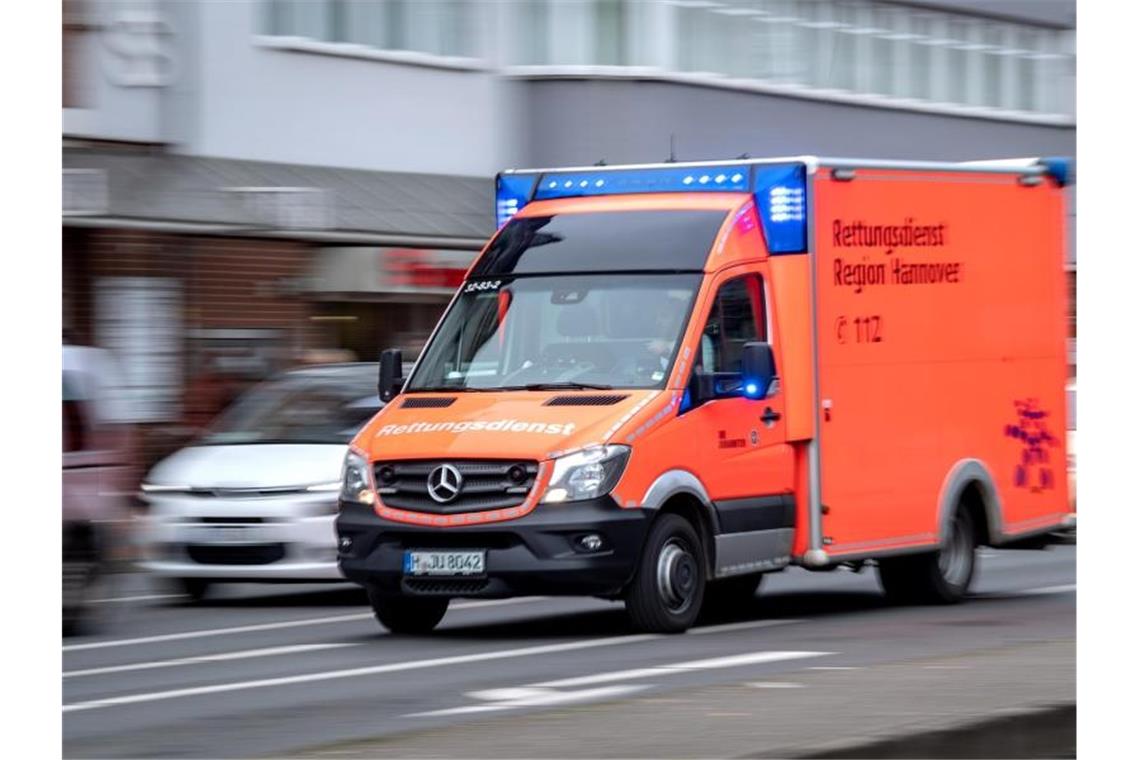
(444, 483)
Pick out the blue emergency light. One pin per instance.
(780, 191)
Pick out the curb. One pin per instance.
(1041, 732)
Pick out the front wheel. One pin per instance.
(408, 614)
(668, 588)
(195, 588)
(941, 577)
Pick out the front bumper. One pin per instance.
(535, 554)
(284, 547)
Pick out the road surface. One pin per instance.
(305, 670)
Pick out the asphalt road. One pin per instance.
(274, 670)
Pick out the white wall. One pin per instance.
(126, 60)
(260, 103)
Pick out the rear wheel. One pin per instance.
(668, 588)
(408, 614)
(941, 577)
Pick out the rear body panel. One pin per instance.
(941, 340)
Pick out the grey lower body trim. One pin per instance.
(752, 552)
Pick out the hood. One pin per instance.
(508, 424)
(266, 465)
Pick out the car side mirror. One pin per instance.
(757, 369)
(391, 374)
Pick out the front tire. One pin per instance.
(940, 577)
(668, 588)
(408, 614)
(195, 588)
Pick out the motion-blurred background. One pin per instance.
(253, 184)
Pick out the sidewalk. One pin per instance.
(831, 713)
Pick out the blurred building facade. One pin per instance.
(250, 179)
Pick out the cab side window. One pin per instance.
(737, 317)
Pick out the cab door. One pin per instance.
(736, 446)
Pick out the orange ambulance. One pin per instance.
(659, 382)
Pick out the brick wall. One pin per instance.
(225, 283)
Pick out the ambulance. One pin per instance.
(658, 383)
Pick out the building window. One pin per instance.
(610, 23)
(439, 27)
(858, 47)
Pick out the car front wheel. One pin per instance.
(668, 588)
(408, 614)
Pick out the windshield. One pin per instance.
(299, 409)
(611, 331)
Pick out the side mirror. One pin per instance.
(391, 374)
(757, 369)
(754, 381)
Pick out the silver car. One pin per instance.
(255, 498)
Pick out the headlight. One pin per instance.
(586, 474)
(355, 485)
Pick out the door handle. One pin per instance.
(769, 417)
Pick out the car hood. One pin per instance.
(262, 465)
(509, 424)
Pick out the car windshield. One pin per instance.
(299, 408)
(559, 331)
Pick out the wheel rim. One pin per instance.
(956, 557)
(677, 575)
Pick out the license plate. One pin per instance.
(445, 563)
(229, 534)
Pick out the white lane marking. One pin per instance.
(267, 652)
(537, 698)
(711, 663)
(393, 667)
(141, 598)
(1039, 591)
(217, 632)
(724, 628)
(497, 602)
(775, 685)
(548, 693)
(271, 626)
(1047, 590)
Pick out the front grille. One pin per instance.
(232, 520)
(240, 493)
(584, 400)
(448, 587)
(251, 554)
(487, 484)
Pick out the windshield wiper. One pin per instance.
(449, 389)
(570, 385)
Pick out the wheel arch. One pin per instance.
(971, 484)
(681, 493)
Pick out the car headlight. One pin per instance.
(355, 484)
(586, 474)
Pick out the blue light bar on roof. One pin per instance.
(780, 191)
(627, 181)
(512, 192)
